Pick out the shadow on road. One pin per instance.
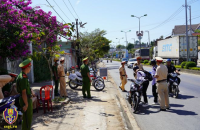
(180, 96)
(182, 112)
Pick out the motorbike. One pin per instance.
(110, 61)
(173, 83)
(9, 102)
(75, 80)
(135, 93)
(107, 61)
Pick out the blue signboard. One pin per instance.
(117, 55)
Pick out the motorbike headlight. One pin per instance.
(175, 84)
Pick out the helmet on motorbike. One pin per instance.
(168, 60)
(135, 68)
(153, 62)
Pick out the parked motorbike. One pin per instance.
(107, 61)
(173, 84)
(9, 102)
(135, 93)
(75, 80)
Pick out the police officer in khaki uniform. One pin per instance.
(23, 88)
(123, 76)
(61, 74)
(162, 86)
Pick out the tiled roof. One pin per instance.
(180, 29)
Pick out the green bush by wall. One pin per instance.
(41, 69)
(190, 64)
(146, 61)
(183, 64)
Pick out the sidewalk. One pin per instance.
(103, 112)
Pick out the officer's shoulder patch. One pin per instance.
(24, 76)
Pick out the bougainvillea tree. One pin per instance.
(21, 24)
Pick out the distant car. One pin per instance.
(131, 62)
(125, 59)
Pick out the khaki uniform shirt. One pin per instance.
(122, 70)
(61, 71)
(162, 72)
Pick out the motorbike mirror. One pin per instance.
(179, 70)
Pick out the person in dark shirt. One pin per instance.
(171, 69)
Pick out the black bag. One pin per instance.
(148, 75)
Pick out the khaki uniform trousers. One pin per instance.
(163, 95)
(123, 81)
(63, 91)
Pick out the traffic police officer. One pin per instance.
(85, 72)
(55, 75)
(23, 88)
(161, 75)
(61, 73)
(123, 76)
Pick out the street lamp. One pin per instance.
(148, 37)
(149, 44)
(119, 42)
(126, 41)
(126, 36)
(139, 33)
(119, 39)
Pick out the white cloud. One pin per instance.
(78, 1)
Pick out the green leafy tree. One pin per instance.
(94, 44)
(130, 46)
(120, 46)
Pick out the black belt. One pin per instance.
(123, 75)
(161, 80)
(62, 76)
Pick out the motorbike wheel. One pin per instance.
(134, 103)
(176, 91)
(72, 84)
(100, 78)
(99, 85)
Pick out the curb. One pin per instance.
(128, 117)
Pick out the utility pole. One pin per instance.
(78, 43)
(190, 20)
(187, 40)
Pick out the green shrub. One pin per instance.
(190, 64)
(146, 61)
(172, 62)
(183, 64)
(195, 68)
(178, 66)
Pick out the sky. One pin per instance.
(114, 16)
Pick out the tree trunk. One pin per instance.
(51, 72)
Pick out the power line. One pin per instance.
(74, 10)
(68, 8)
(62, 11)
(174, 15)
(55, 10)
(170, 18)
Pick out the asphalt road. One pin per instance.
(184, 113)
